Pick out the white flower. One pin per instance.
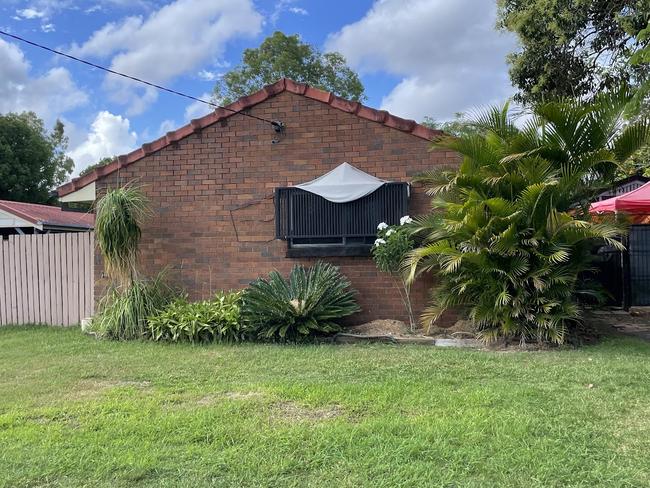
(379, 242)
(382, 226)
(405, 220)
(389, 232)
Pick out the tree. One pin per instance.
(98, 164)
(282, 56)
(641, 58)
(513, 235)
(32, 160)
(461, 125)
(574, 47)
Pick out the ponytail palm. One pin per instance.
(130, 299)
(120, 214)
(509, 234)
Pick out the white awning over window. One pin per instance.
(345, 183)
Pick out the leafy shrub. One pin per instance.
(208, 320)
(389, 251)
(123, 311)
(311, 301)
(511, 239)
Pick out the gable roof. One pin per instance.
(48, 215)
(630, 179)
(356, 108)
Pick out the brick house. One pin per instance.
(213, 186)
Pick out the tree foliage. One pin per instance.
(281, 56)
(460, 125)
(32, 160)
(98, 164)
(641, 58)
(513, 235)
(574, 47)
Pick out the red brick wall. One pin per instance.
(212, 194)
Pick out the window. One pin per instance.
(314, 226)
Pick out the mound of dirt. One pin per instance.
(380, 327)
(461, 329)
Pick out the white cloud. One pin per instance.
(197, 109)
(36, 13)
(45, 9)
(282, 6)
(171, 41)
(298, 11)
(207, 75)
(49, 95)
(110, 135)
(31, 13)
(166, 126)
(448, 54)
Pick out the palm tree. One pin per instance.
(509, 234)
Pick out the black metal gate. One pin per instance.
(638, 245)
(608, 262)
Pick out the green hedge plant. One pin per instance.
(203, 321)
(311, 301)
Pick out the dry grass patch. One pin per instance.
(293, 412)
(229, 395)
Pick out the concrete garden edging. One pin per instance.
(345, 338)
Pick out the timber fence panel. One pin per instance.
(47, 278)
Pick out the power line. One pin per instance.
(276, 125)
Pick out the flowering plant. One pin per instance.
(392, 245)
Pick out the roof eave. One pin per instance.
(196, 125)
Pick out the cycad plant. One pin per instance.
(509, 234)
(311, 301)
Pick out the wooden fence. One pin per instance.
(46, 278)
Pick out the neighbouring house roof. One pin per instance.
(48, 216)
(624, 185)
(196, 125)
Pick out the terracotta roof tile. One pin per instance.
(48, 215)
(362, 111)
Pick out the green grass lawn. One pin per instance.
(79, 412)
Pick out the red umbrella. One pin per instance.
(633, 202)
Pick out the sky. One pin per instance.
(416, 58)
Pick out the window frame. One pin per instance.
(350, 227)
